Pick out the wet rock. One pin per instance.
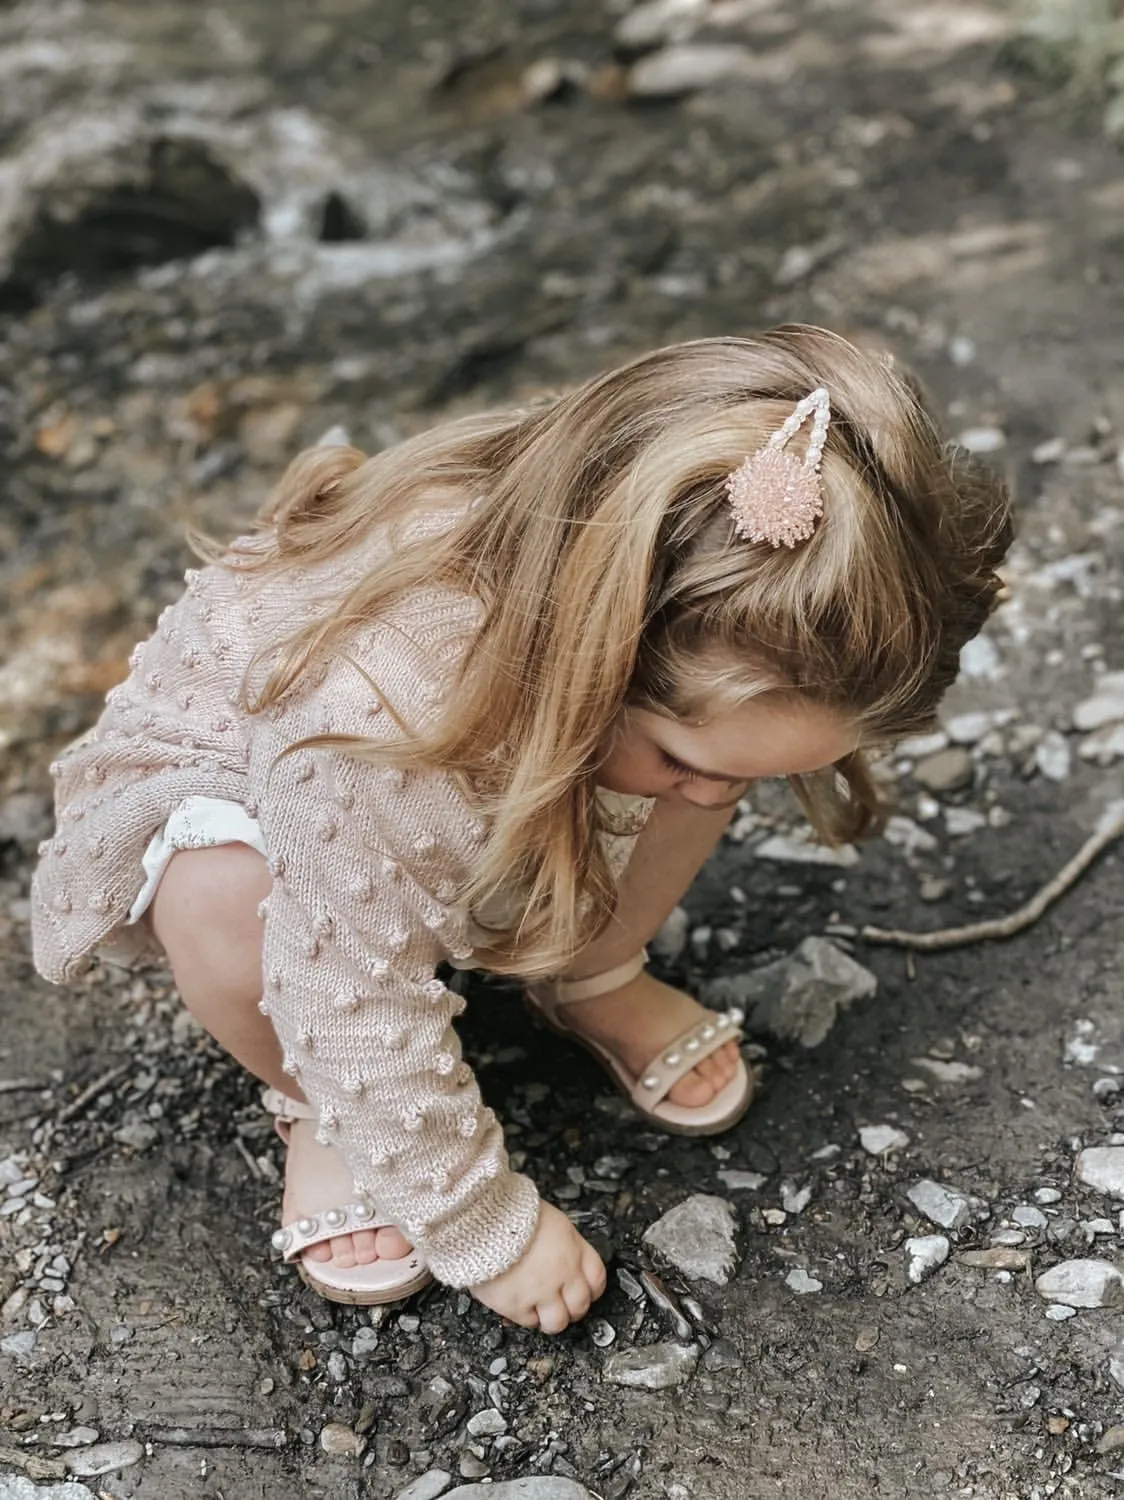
(943, 1205)
(1102, 1167)
(949, 770)
(428, 1486)
(697, 1237)
(657, 1367)
(925, 1253)
(548, 1487)
(1104, 706)
(880, 1139)
(802, 848)
(802, 1282)
(684, 69)
(104, 1458)
(797, 998)
(1082, 1283)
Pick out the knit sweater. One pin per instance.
(366, 862)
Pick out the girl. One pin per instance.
(487, 699)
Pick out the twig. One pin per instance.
(1110, 827)
(218, 1437)
(76, 1106)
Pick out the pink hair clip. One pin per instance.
(776, 497)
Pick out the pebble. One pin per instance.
(801, 848)
(657, 21)
(997, 1258)
(948, 1072)
(797, 998)
(1104, 745)
(982, 439)
(684, 69)
(969, 728)
(1102, 1168)
(737, 1181)
(878, 1140)
(548, 1487)
(16, 1487)
(963, 821)
(1029, 1217)
(1082, 1283)
(487, 1423)
(656, 1367)
(337, 1366)
(1052, 756)
(138, 1137)
(697, 1237)
(948, 771)
(1105, 706)
(19, 1345)
(802, 1282)
(943, 1205)
(1047, 1195)
(1116, 1367)
(925, 1252)
(427, 1486)
(75, 1437)
(104, 1458)
(795, 1200)
(1009, 1237)
(671, 939)
(365, 1342)
(603, 1334)
(337, 1438)
(471, 1467)
(1058, 1312)
(1112, 1439)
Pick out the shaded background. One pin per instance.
(223, 230)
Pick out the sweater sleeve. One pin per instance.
(366, 861)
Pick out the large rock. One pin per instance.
(1082, 1283)
(797, 998)
(657, 1367)
(697, 1237)
(943, 1205)
(1102, 1167)
(17, 1487)
(546, 1487)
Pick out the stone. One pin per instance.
(1047, 1195)
(982, 439)
(943, 1205)
(657, 21)
(104, 1458)
(138, 1136)
(1112, 1439)
(1104, 745)
(1052, 756)
(998, 1258)
(657, 1367)
(427, 1486)
(1116, 1367)
(19, 1345)
(802, 1282)
(947, 1072)
(794, 1200)
(962, 821)
(671, 939)
(1029, 1217)
(1102, 1168)
(1082, 1283)
(686, 68)
(75, 1437)
(548, 1487)
(17, 1487)
(979, 658)
(1105, 706)
(949, 770)
(487, 1423)
(925, 1253)
(878, 1140)
(737, 1181)
(797, 998)
(803, 848)
(697, 1237)
(1060, 1312)
(969, 728)
(339, 1439)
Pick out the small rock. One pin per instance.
(943, 1205)
(969, 728)
(139, 1136)
(926, 1252)
(602, 1333)
(1029, 1217)
(1104, 745)
(982, 439)
(723, 1354)
(104, 1458)
(685, 69)
(878, 1140)
(948, 771)
(697, 1237)
(903, 833)
(428, 1486)
(471, 1467)
(339, 1439)
(1051, 451)
(1106, 706)
(742, 1182)
(365, 1342)
(963, 821)
(654, 1368)
(1116, 1368)
(1107, 1088)
(19, 1345)
(1058, 1312)
(75, 1437)
(1009, 1237)
(17, 1487)
(1082, 1283)
(797, 998)
(795, 1200)
(549, 1487)
(934, 887)
(802, 848)
(657, 21)
(671, 939)
(948, 1072)
(979, 658)
(487, 1423)
(1111, 1440)
(1047, 1195)
(1052, 756)
(998, 1258)
(1102, 1167)
(802, 1282)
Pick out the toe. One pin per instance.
(343, 1251)
(693, 1091)
(320, 1252)
(392, 1244)
(365, 1246)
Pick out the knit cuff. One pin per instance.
(488, 1236)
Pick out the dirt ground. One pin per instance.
(223, 230)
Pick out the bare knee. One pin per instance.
(205, 915)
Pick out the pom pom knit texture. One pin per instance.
(365, 860)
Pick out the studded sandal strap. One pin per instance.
(684, 1053)
(566, 991)
(293, 1239)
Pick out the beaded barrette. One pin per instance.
(776, 497)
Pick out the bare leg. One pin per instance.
(205, 917)
(640, 1018)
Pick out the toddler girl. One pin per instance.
(487, 699)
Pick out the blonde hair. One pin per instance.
(601, 547)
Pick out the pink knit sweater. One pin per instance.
(366, 863)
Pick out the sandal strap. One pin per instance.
(687, 1050)
(568, 990)
(282, 1107)
(294, 1238)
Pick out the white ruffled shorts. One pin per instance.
(197, 823)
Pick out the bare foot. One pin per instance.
(637, 1021)
(325, 1182)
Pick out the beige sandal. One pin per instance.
(373, 1285)
(648, 1093)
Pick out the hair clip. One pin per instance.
(776, 497)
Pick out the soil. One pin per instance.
(367, 215)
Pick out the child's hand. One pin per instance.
(554, 1281)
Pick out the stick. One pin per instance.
(218, 1437)
(1110, 827)
(19, 1085)
(76, 1106)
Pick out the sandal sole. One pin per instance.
(367, 1298)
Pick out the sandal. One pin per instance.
(371, 1285)
(648, 1092)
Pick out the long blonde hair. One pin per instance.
(601, 548)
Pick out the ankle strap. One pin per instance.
(567, 990)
